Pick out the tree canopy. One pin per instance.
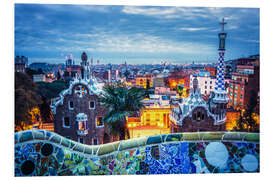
(246, 121)
(121, 102)
(51, 89)
(26, 98)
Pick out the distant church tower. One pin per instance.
(219, 97)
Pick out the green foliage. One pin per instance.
(45, 111)
(51, 90)
(246, 122)
(31, 72)
(121, 102)
(25, 99)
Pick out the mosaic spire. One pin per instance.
(220, 82)
(220, 98)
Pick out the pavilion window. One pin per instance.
(198, 116)
(99, 122)
(202, 116)
(66, 122)
(92, 104)
(71, 105)
(81, 120)
(95, 141)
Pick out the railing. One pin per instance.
(40, 153)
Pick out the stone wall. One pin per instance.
(44, 153)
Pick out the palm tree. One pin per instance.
(121, 102)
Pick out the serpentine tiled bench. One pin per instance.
(40, 152)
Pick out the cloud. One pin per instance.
(142, 43)
(193, 29)
(187, 13)
(52, 29)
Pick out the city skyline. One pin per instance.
(136, 34)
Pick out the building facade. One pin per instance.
(243, 82)
(206, 83)
(153, 120)
(144, 81)
(21, 62)
(77, 112)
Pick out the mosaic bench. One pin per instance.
(44, 153)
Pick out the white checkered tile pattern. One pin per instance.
(220, 83)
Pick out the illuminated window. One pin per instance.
(82, 125)
(92, 104)
(241, 96)
(235, 95)
(81, 120)
(198, 116)
(147, 117)
(236, 88)
(99, 122)
(66, 122)
(157, 117)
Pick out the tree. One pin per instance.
(246, 122)
(121, 102)
(51, 90)
(32, 72)
(26, 99)
(45, 110)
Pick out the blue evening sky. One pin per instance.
(136, 34)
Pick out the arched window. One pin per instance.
(198, 116)
(202, 116)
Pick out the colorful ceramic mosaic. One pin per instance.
(42, 153)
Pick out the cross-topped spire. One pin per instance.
(223, 23)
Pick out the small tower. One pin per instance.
(219, 97)
(85, 70)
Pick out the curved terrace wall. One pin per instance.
(44, 153)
